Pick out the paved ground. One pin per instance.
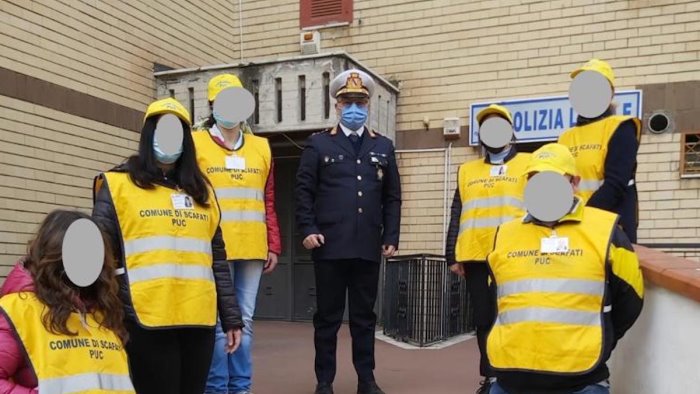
(284, 364)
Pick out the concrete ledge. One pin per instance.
(379, 335)
(677, 274)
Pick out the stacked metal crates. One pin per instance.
(424, 303)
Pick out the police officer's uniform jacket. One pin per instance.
(354, 200)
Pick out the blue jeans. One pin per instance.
(592, 389)
(232, 373)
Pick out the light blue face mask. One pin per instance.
(164, 157)
(353, 116)
(226, 124)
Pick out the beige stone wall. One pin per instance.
(48, 160)
(107, 48)
(448, 54)
(423, 189)
(101, 48)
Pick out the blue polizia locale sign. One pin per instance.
(544, 118)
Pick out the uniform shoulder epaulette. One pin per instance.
(322, 132)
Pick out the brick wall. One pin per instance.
(104, 49)
(448, 54)
(47, 161)
(107, 48)
(423, 189)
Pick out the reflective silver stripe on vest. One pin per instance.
(590, 185)
(242, 216)
(576, 286)
(550, 315)
(483, 223)
(177, 271)
(85, 382)
(492, 202)
(239, 192)
(181, 244)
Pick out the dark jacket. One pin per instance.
(354, 200)
(456, 213)
(616, 195)
(105, 215)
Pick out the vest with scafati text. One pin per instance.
(550, 305)
(239, 178)
(168, 253)
(491, 194)
(92, 362)
(589, 145)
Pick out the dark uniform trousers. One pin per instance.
(348, 190)
(482, 298)
(359, 278)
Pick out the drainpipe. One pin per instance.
(240, 26)
(446, 205)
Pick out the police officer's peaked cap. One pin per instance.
(354, 82)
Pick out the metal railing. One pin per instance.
(424, 303)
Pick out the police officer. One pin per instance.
(568, 286)
(489, 192)
(348, 211)
(605, 148)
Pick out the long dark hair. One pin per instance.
(44, 261)
(144, 170)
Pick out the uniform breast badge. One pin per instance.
(380, 173)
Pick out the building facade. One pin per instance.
(445, 55)
(75, 80)
(76, 77)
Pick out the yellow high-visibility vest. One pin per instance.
(589, 145)
(491, 195)
(550, 305)
(168, 253)
(92, 362)
(239, 178)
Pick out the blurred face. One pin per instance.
(489, 148)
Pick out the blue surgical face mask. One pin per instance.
(353, 116)
(164, 157)
(226, 124)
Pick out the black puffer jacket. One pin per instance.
(105, 215)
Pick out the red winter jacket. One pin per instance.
(16, 375)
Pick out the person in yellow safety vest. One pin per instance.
(55, 336)
(245, 190)
(163, 219)
(568, 286)
(488, 193)
(605, 148)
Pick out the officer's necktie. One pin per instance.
(355, 140)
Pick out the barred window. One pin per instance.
(690, 155)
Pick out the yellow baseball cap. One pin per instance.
(170, 106)
(599, 66)
(494, 109)
(552, 157)
(221, 82)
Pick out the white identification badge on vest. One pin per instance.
(182, 201)
(554, 244)
(499, 170)
(235, 162)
